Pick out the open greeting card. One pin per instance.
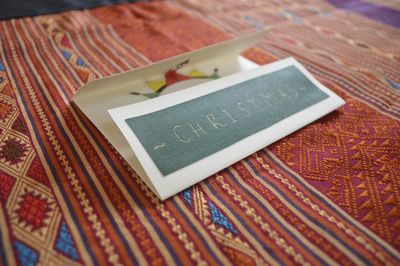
(180, 120)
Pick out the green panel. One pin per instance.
(187, 132)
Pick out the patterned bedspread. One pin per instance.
(327, 194)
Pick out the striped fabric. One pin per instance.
(327, 194)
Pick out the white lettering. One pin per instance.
(211, 118)
(178, 137)
(229, 115)
(198, 129)
(239, 105)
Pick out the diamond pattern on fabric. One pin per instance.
(26, 255)
(187, 196)
(33, 210)
(219, 218)
(65, 244)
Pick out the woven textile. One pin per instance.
(327, 194)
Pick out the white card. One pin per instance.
(181, 138)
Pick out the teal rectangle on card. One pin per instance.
(182, 134)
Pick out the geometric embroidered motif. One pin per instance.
(219, 218)
(350, 157)
(208, 213)
(78, 60)
(26, 255)
(65, 244)
(5, 110)
(19, 125)
(12, 151)
(33, 210)
(36, 172)
(205, 218)
(5, 88)
(187, 196)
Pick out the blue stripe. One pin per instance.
(271, 215)
(305, 213)
(239, 218)
(328, 205)
(230, 173)
(98, 54)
